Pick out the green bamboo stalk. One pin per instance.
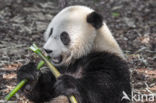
(55, 72)
(21, 84)
(18, 87)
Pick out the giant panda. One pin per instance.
(83, 49)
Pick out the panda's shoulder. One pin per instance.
(103, 59)
(104, 56)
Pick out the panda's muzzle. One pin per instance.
(57, 60)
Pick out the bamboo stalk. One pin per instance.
(18, 87)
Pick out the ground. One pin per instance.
(132, 22)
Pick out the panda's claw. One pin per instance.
(27, 89)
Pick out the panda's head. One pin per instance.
(71, 34)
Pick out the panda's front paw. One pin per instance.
(66, 85)
(29, 72)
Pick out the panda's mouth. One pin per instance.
(57, 60)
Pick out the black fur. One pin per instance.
(95, 19)
(65, 38)
(51, 32)
(99, 77)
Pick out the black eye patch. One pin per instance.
(51, 32)
(65, 38)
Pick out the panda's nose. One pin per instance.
(48, 51)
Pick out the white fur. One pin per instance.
(84, 37)
(104, 41)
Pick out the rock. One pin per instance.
(129, 22)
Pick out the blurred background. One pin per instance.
(132, 22)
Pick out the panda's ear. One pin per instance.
(95, 19)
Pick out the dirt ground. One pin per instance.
(132, 22)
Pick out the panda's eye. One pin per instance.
(51, 31)
(65, 38)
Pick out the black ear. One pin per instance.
(95, 19)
